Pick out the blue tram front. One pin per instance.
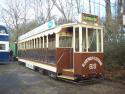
(4, 44)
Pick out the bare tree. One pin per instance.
(123, 7)
(65, 7)
(11, 16)
(89, 6)
(108, 15)
(119, 17)
(60, 7)
(49, 6)
(14, 15)
(42, 10)
(78, 6)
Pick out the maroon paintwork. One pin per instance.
(88, 70)
(64, 58)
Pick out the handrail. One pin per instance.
(60, 57)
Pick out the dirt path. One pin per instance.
(16, 79)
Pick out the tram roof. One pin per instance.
(40, 31)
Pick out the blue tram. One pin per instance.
(4, 44)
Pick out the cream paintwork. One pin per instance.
(40, 65)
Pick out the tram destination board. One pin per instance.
(89, 18)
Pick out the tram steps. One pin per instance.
(66, 77)
(68, 72)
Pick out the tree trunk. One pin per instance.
(108, 16)
(89, 6)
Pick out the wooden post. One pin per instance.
(97, 40)
(43, 41)
(102, 40)
(87, 40)
(57, 40)
(80, 39)
(74, 39)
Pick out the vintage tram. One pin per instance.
(69, 51)
(4, 44)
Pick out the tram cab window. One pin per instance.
(65, 38)
(2, 46)
(91, 39)
(83, 39)
(76, 39)
(94, 40)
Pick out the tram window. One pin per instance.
(65, 38)
(76, 39)
(65, 41)
(91, 39)
(31, 44)
(24, 45)
(94, 40)
(99, 40)
(51, 41)
(2, 46)
(35, 43)
(2, 31)
(28, 44)
(45, 42)
(41, 42)
(83, 39)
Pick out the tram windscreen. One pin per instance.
(91, 40)
(94, 40)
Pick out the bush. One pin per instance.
(114, 55)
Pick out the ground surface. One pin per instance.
(16, 79)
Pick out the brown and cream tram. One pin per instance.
(70, 51)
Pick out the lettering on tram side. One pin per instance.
(91, 58)
(92, 66)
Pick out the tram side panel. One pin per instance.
(4, 56)
(4, 48)
(64, 58)
(51, 56)
(42, 55)
(88, 65)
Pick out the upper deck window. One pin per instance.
(2, 32)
